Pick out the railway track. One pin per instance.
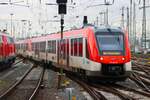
(111, 89)
(137, 91)
(10, 92)
(95, 90)
(17, 62)
(141, 75)
(141, 79)
(92, 91)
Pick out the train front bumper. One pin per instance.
(100, 77)
(111, 72)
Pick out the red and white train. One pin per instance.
(7, 50)
(102, 53)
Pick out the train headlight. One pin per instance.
(123, 58)
(101, 58)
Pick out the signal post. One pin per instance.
(62, 10)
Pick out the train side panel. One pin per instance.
(7, 51)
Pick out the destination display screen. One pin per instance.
(111, 53)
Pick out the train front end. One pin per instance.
(112, 52)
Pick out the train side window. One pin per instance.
(72, 46)
(87, 52)
(49, 46)
(42, 46)
(37, 46)
(32, 46)
(17, 46)
(63, 45)
(75, 47)
(20, 46)
(53, 46)
(80, 47)
(11, 40)
(26, 46)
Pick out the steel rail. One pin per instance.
(11, 88)
(114, 91)
(95, 94)
(132, 90)
(140, 83)
(38, 85)
(17, 62)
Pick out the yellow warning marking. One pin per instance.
(73, 97)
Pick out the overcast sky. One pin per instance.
(80, 9)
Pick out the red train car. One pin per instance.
(7, 50)
(102, 53)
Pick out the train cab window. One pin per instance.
(42, 46)
(114, 46)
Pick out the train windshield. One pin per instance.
(110, 44)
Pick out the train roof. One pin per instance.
(74, 33)
(106, 29)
